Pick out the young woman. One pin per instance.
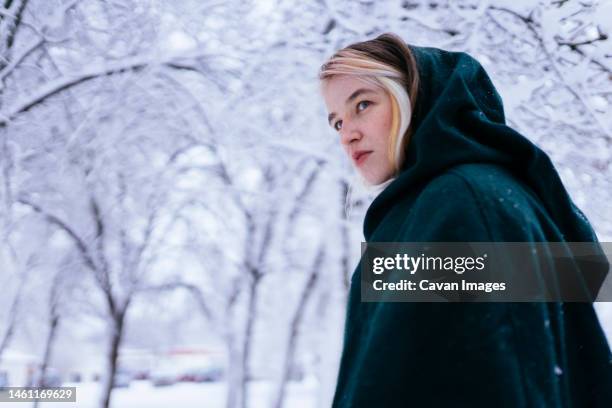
(431, 125)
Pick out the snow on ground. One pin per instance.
(141, 394)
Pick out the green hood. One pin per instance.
(459, 119)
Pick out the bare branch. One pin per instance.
(60, 84)
(53, 219)
(189, 287)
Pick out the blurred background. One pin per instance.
(178, 225)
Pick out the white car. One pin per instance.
(162, 377)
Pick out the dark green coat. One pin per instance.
(469, 177)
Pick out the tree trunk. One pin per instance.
(117, 334)
(294, 327)
(48, 347)
(333, 322)
(248, 337)
(235, 375)
(346, 242)
(12, 320)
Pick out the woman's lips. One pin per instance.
(360, 157)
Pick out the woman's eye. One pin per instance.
(361, 104)
(338, 125)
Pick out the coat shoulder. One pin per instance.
(484, 202)
(485, 184)
(493, 187)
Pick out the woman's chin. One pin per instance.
(367, 179)
(374, 179)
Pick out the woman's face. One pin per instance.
(361, 114)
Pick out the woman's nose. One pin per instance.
(349, 133)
